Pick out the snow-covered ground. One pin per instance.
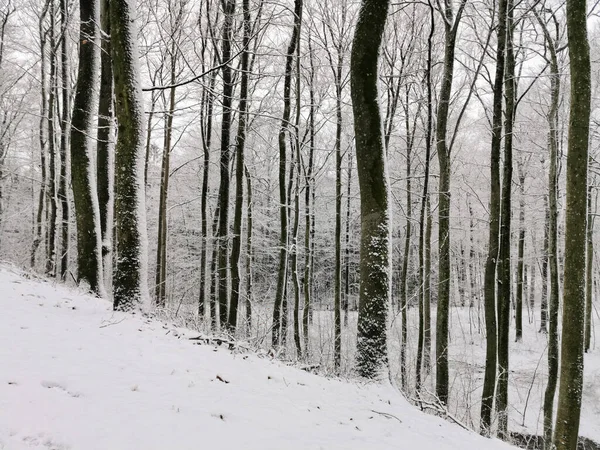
(75, 375)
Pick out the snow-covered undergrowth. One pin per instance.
(75, 375)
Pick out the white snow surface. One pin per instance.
(76, 375)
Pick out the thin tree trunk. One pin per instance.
(424, 205)
(520, 259)
(236, 247)
(223, 286)
(52, 151)
(308, 177)
(347, 243)
(105, 119)
(504, 260)
(294, 262)
(545, 258)
(206, 131)
(160, 288)
(64, 146)
(443, 150)
(489, 382)
(337, 352)
(39, 227)
(249, 251)
(427, 292)
(277, 328)
(589, 269)
(552, 254)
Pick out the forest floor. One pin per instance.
(528, 366)
(76, 375)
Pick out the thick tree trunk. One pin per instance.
(571, 368)
(375, 253)
(130, 270)
(85, 194)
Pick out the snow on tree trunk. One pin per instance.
(130, 271)
(375, 251)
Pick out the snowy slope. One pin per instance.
(75, 375)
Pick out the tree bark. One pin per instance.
(571, 366)
(85, 194)
(375, 253)
(236, 247)
(276, 334)
(64, 145)
(130, 270)
(443, 150)
(489, 382)
(504, 259)
(223, 286)
(105, 119)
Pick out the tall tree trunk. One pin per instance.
(39, 221)
(296, 225)
(337, 352)
(160, 288)
(427, 292)
(375, 254)
(105, 119)
(52, 151)
(544, 270)
(489, 382)
(520, 258)
(552, 255)
(64, 146)
(236, 247)
(308, 177)
(223, 286)
(214, 323)
(85, 194)
(406, 259)
(504, 269)
(130, 270)
(443, 150)
(346, 297)
(424, 205)
(277, 329)
(249, 251)
(589, 270)
(571, 368)
(206, 130)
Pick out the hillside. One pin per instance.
(75, 375)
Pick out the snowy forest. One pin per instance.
(401, 191)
